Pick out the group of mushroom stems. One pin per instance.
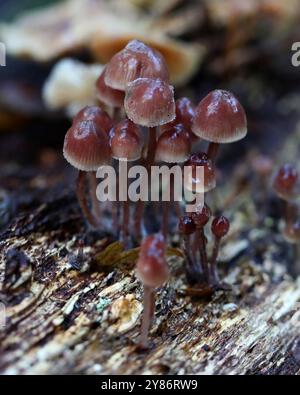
(138, 120)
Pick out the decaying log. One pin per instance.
(67, 318)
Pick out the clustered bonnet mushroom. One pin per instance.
(147, 125)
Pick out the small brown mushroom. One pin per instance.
(136, 60)
(152, 270)
(219, 119)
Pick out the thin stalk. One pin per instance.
(151, 147)
(213, 150)
(149, 306)
(81, 196)
(165, 219)
(213, 260)
(95, 203)
(191, 270)
(202, 250)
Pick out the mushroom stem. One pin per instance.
(138, 223)
(213, 260)
(289, 212)
(200, 237)
(190, 259)
(95, 203)
(125, 229)
(151, 147)
(213, 150)
(149, 307)
(165, 219)
(81, 196)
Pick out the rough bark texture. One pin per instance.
(65, 316)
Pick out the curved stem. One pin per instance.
(148, 313)
(81, 196)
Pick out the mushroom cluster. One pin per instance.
(147, 126)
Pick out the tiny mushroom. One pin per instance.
(286, 187)
(219, 227)
(136, 60)
(126, 145)
(187, 228)
(201, 216)
(200, 173)
(86, 147)
(152, 270)
(219, 119)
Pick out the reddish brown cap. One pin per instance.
(220, 226)
(110, 97)
(152, 268)
(150, 102)
(207, 175)
(186, 225)
(86, 146)
(96, 115)
(174, 145)
(136, 60)
(126, 141)
(220, 118)
(201, 215)
(285, 182)
(185, 112)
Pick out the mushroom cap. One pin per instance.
(152, 268)
(150, 102)
(201, 215)
(136, 60)
(220, 226)
(96, 115)
(207, 175)
(220, 118)
(185, 112)
(126, 141)
(173, 145)
(86, 146)
(107, 95)
(186, 225)
(285, 182)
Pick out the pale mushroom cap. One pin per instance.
(220, 118)
(107, 95)
(125, 141)
(150, 102)
(136, 60)
(173, 145)
(86, 146)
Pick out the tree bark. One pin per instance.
(63, 317)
